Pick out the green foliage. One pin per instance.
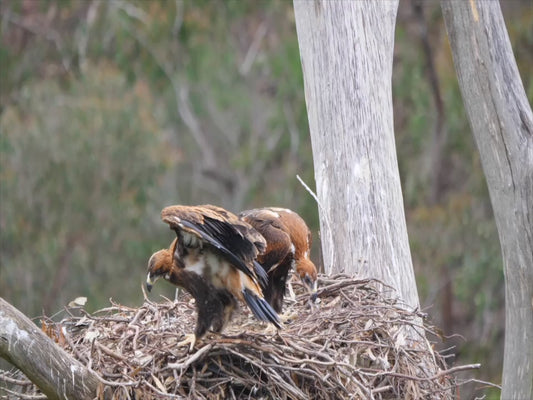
(103, 128)
(79, 172)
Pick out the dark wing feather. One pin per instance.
(234, 239)
(261, 309)
(275, 233)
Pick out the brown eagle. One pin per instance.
(288, 242)
(213, 258)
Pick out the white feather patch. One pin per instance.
(281, 209)
(271, 213)
(197, 267)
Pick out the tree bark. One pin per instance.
(346, 49)
(55, 372)
(502, 123)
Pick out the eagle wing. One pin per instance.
(235, 240)
(279, 243)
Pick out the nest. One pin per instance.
(356, 343)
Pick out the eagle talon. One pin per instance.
(271, 329)
(190, 339)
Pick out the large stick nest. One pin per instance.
(356, 343)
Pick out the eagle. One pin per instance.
(288, 241)
(214, 259)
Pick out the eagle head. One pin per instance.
(308, 274)
(159, 265)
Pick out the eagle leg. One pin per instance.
(224, 305)
(270, 330)
(292, 295)
(276, 291)
(190, 340)
(210, 307)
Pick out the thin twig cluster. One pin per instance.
(356, 343)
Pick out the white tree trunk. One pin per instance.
(502, 123)
(346, 49)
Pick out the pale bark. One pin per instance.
(55, 372)
(346, 49)
(502, 123)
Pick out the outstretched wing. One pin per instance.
(268, 224)
(234, 239)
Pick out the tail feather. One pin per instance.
(261, 309)
(261, 274)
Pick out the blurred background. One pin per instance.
(111, 110)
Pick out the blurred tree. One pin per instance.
(79, 169)
(229, 145)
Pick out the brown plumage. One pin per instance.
(288, 246)
(213, 258)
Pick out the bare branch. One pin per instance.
(55, 372)
(253, 50)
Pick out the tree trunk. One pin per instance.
(55, 372)
(346, 49)
(502, 122)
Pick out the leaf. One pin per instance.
(78, 302)
(169, 380)
(400, 340)
(90, 336)
(82, 321)
(159, 385)
(370, 354)
(384, 363)
(141, 358)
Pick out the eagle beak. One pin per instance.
(149, 283)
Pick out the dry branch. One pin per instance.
(58, 374)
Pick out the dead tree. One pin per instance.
(55, 372)
(346, 49)
(502, 123)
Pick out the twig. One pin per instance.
(73, 347)
(20, 382)
(159, 392)
(421, 378)
(25, 396)
(472, 380)
(324, 216)
(49, 34)
(115, 384)
(109, 352)
(253, 50)
(191, 359)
